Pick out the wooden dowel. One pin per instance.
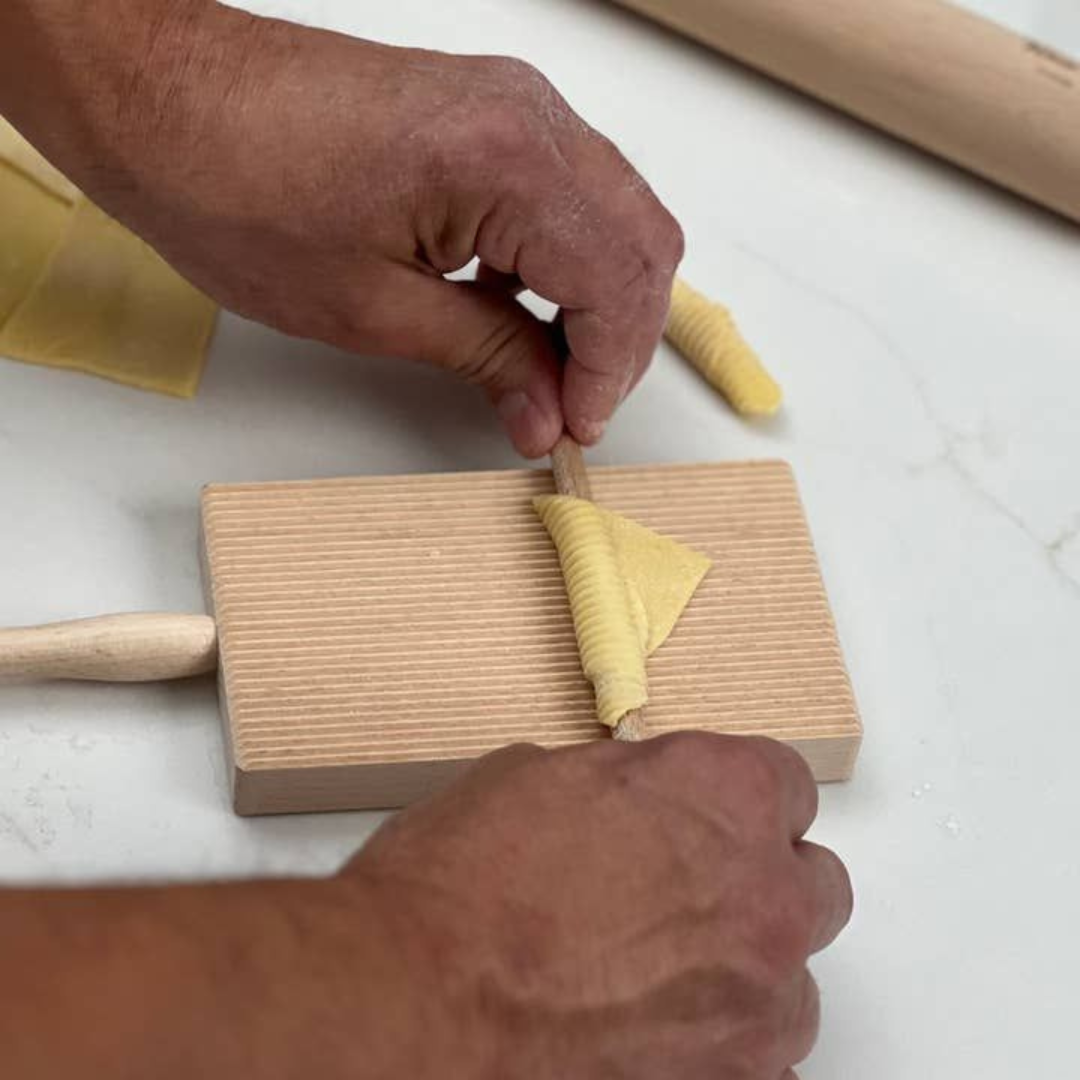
(943, 78)
(112, 648)
(571, 478)
(568, 468)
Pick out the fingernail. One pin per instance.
(592, 431)
(513, 405)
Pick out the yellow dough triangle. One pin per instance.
(627, 587)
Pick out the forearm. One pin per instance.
(270, 980)
(91, 84)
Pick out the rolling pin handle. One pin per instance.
(143, 647)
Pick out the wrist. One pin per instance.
(343, 978)
(424, 988)
(277, 979)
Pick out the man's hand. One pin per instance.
(634, 911)
(324, 185)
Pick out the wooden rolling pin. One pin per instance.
(568, 468)
(940, 77)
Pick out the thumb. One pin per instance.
(485, 336)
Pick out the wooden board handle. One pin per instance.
(929, 72)
(112, 648)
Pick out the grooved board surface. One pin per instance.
(377, 633)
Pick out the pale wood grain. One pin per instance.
(377, 634)
(568, 469)
(145, 647)
(938, 76)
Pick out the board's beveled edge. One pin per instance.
(829, 610)
(388, 786)
(228, 742)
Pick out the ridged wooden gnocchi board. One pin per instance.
(377, 634)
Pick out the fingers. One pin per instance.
(491, 278)
(801, 788)
(829, 886)
(603, 364)
(586, 233)
(505, 760)
(807, 1023)
(483, 336)
(796, 783)
(615, 294)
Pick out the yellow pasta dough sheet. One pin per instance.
(627, 587)
(79, 291)
(32, 221)
(109, 305)
(20, 156)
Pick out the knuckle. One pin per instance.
(788, 1026)
(737, 767)
(796, 765)
(498, 133)
(507, 342)
(489, 138)
(636, 274)
(532, 91)
(752, 764)
(508, 760)
(846, 903)
(665, 246)
(781, 928)
(517, 88)
(514, 72)
(653, 253)
(840, 894)
(688, 753)
(784, 934)
(672, 241)
(794, 1021)
(780, 1028)
(513, 753)
(806, 1021)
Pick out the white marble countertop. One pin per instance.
(927, 330)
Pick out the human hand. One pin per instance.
(634, 911)
(631, 911)
(324, 185)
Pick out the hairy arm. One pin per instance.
(325, 185)
(83, 81)
(637, 911)
(274, 979)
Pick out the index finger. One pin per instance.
(595, 240)
(798, 784)
(612, 339)
(608, 348)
